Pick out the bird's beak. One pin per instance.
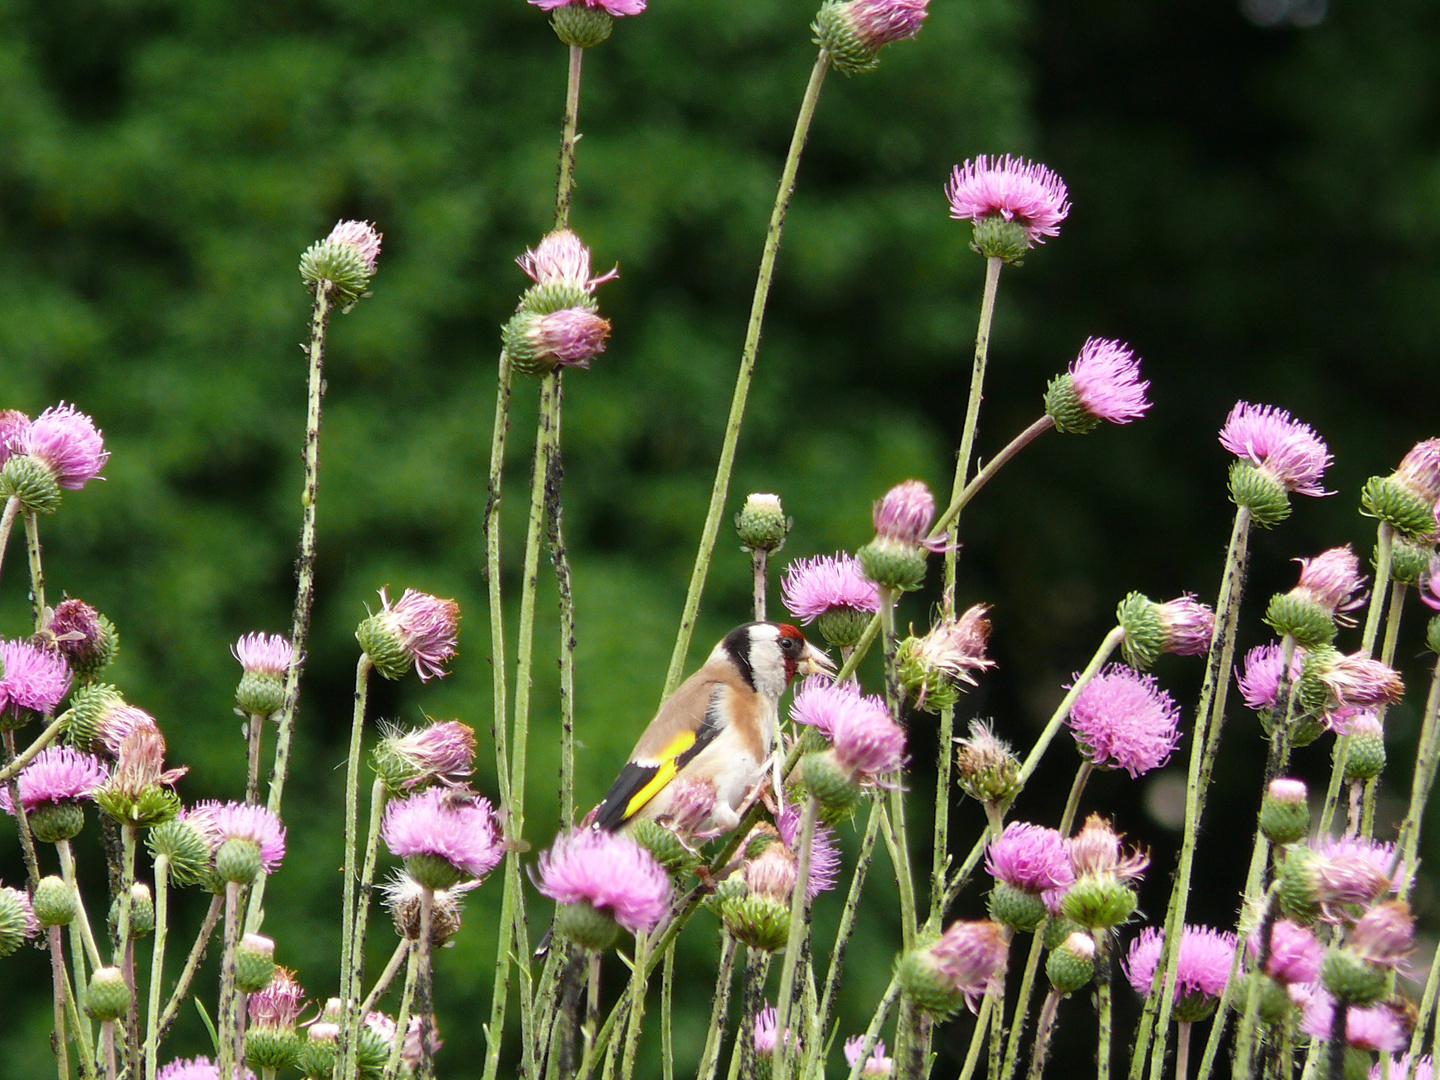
(814, 661)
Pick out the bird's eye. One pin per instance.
(789, 644)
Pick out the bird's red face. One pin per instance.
(800, 656)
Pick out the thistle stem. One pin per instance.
(1421, 783)
(425, 988)
(1044, 1029)
(977, 1037)
(895, 833)
(743, 1056)
(759, 565)
(565, 182)
(402, 1016)
(491, 529)
(1057, 718)
(1204, 745)
(7, 524)
(60, 984)
(192, 964)
(637, 1006)
(799, 925)
(37, 574)
(1102, 1004)
(1387, 655)
(20, 760)
(387, 976)
(347, 910)
(1182, 1050)
(22, 819)
(747, 370)
(82, 920)
(123, 947)
(227, 981)
(157, 964)
(353, 978)
(560, 559)
(719, 1010)
(667, 1034)
(255, 734)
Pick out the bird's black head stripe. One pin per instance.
(737, 644)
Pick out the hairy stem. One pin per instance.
(353, 977)
(719, 1010)
(637, 1007)
(349, 1028)
(799, 927)
(192, 965)
(7, 524)
(22, 819)
(19, 761)
(37, 573)
(226, 1009)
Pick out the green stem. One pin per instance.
(977, 388)
(37, 573)
(402, 1017)
(1421, 784)
(799, 926)
(872, 1033)
(347, 910)
(747, 370)
(82, 920)
(752, 998)
(192, 965)
(1072, 804)
(637, 1006)
(46, 737)
(1245, 1034)
(353, 977)
(7, 524)
(256, 726)
(1182, 1050)
(719, 1010)
(22, 819)
(896, 834)
(759, 566)
(491, 529)
(1102, 1004)
(59, 986)
(977, 1037)
(226, 1009)
(123, 945)
(1204, 745)
(667, 1035)
(1057, 718)
(425, 987)
(84, 1053)
(1387, 655)
(1427, 1012)
(565, 183)
(382, 984)
(560, 559)
(1044, 1029)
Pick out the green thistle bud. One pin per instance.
(1408, 560)
(260, 693)
(1276, 1005)
(986, 768)
(142, 911)
(271, 1049)
(185, 848)
(1352, 979)
(1258, 491)
(108, 997)
(343, 263)
(237, 860)
(1099, 902)
(892, 564)
(1393, 503)
(53, 822)
(1063, 404)
(1297, 887)
(372, 1052)
(1285, 813)
(34, 486)
(578, 24)
(927, 988)
(384, 647)
(1015, 908)
(17, 921)
(89, 706)
(433, 871)
(996, 238)
(55, 903)
(1303, 619)
(929, 686)
(1072, 964)
(761, 922)
(1366, 758)
(254, 963)
(1145, 638)
(316, 1058)
(842, 627)
(762, 524)
(834, 790)
(586, 926)
(1192, 1008)
(668, 849)
(1058, 930)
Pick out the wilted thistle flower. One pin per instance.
(601, 881)
(1325, 880)
(1031, 868)
(1406, 499)
(1359, 682)
(958, 968)
(560, 267)
(265, 660)
(538, 343)
(1102, 384)
(271, 1040)
(895, 559)
(986, 768)
(443, 835)
(17, 920)
(100, 720)
(60, 449)
(876, 1066)
(1310, 611)
(402, 896)
(1277, 455)
(86, 639)
(13, 424)
(343, 263)
(441, 752)
(1101, 896)
(1182, 626)
(834, 590)
(52, 787)
(853, 32)
(138, 791)
(1201, 970)
(1013, 204)
(418, 632)
(931, 668)
(33, 680)
(1123, 720)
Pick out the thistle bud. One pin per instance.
(417, 633)
(760, 922)
(665, 845)
(539, 343)
(895, 559)
(88, 640)
(108, 997)
(265, 660)
(343, 263)
(142, 911)
(185, 846)
(254, 963)
(1072, 965)
(1409, 561)
(17, 920)
(1405, 500)
(762, 524)
(1366, 757)
(1183, 626)
(582, 25)
(56, 903)
(832, 785)
(986, 768)
(853, 33)
(1285, 813)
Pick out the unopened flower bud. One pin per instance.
(254, 963)
(1285, 812)
(1072, 965)
(1366, 757)
(343, 263)
(55, 902)
(1352, 979)
(587, 926)
(762, 523)
(986, 768)
(107, 997)
(142, 911)
(852, 33)
(17, 920)
(895, 559)
(265, 660)
(1408, 560)
(665, 845)
(832, 785)
(761, 922)
(1405, 500)
(184, 846)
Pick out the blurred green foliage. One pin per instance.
(1256, 209)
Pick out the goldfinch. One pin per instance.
(713, 735)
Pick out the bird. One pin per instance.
(714, 732)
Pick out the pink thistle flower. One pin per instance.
(868, 744)
(1384, 935)
(1289, 451)
(445, 824)
(1030, 858)
(443, 751)
(1295, 953)
(1393, 1068)
(881, 22)
(1376, 1027)
(1331, 580)
(609, 872)
(31, 678)
(613, 7)
(691, 805)
(877, 1065)
(811, 587)
(955, 647)
(766, 1036)
(1341, 873)
(1123, 720)
(1107, 383)
(904, 514)
(1260, 681)
(255, 824)
(1013, 188)
(970, 955)
(1202, 969)
(264, 654)
(1430, 585)
(13, 424)
(77, 632)
(572, 336)
(819, 701)
(66, 442)
(361, 236)
(57, 774)
(1188, 625)
(1096, 851)
(824, 850)
(197, 1068)
(119, 722)
(425, 627)
(1358, 682)
(560, 258)
(1419, 470)
(278, 1005)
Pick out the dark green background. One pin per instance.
(1256, 209)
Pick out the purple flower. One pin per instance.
(1331, 580)
(868, 744)
(613, 7)
(1202, 968)
(1359, 682)
(57, 774)
(425, 628)
(880, 22)
(1340, 873)
(279, 1004)
(361, 236)
(811, 587)
(80, 635)
(560, 258)
(31, 678)
(1384, 935)
(447, 825)
(824, 850)
(1030, 858)
(264, 654)
(121, 720)
(1013, 188)
(970, 955)
(766, 1036)
(1289, 451)
(13, 424)
(1123, 720)
(609, 872)
(572, 336)
(443, 751)
(199, 1068)
(1096, 851)
(1419, 470)
(255, 824)
(1106, 378)
(819, 701)
(1188, 625)
(955, 647)
(1259, 683)
(1399, 1068)
(1295, 953)
(1376, 1027)
(65, 441)
(876, 1065)
(904, 514)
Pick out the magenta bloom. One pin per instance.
(609, 872)
(443, 751)
(824, 850)
(435, 822)
(1331, 580)
(1106, 378)
(361, 236)
(766, 1035)
(876, 1065)
(573, 336)
(819, 701)
(904, 514)
(811, 587)
(119, 722)
(31, 678)
(1202, 968)
(425, 627)
(1384, 935)
(56, 774)
(560, 258)
(264, 654)
(13, 424)
(1352, 871)
(1096, 851)
(66, 442)
(1286, 449)
(1030, 858)
(1295, 953)
(970, 955)
(1359, 682)
(1376, 1027)
(1188, 625)
(613, 7)
(279, 1005)
(1259, 683)
(1399, 1069)
(1013, 188)
(1123, 720)
(199, 1068)
(868, 744)
(256, 824)
(880, 22)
